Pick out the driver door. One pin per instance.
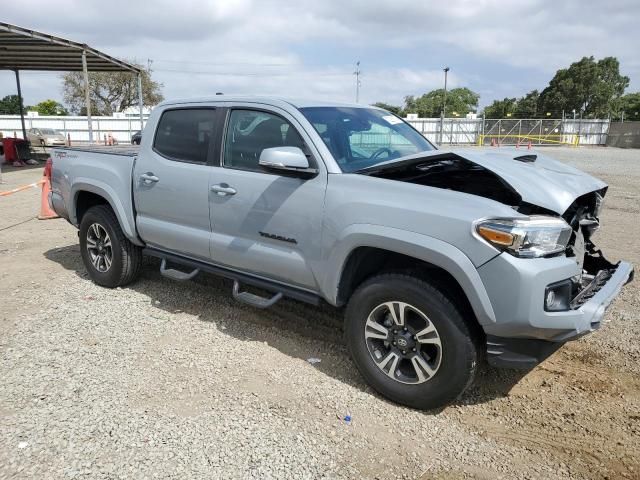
(264, 222)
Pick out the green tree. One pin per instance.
(10, 105)
(391, 108)
(501, 108)
(630, 105)
(109, 92)
(523, 107)
(49, 107)
(593, 88)
(527, 106)
(459, 100)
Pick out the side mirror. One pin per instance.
(290, 159)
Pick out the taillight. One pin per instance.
(48, 167)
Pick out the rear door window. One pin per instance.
(184, 134)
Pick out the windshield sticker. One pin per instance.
(391, 120)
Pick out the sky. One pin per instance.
(308, 48)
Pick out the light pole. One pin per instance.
(357, 74)
(444, 104)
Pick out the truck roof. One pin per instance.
(269, 100)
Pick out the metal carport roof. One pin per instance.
(24, 49)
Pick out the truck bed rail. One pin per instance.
(125, 150)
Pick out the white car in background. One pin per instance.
(46, 137)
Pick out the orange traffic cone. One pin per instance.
(45, 211)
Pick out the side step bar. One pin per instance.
(254, 300)
(198, 266)
(176, 274)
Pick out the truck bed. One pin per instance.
(105, 171)
(126, 150)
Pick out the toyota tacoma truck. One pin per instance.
(441, 258)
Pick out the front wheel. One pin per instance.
(110, 258)
(410, 342)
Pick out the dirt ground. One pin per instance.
(167, 380)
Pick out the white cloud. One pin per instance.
(297, 48)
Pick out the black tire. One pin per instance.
(459, 353)
(126, 257)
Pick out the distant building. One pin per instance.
(133, 112)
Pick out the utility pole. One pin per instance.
(357, 74)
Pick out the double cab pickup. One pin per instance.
(440, 258)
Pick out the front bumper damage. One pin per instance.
(534, 339)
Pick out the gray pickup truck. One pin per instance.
(442, 258)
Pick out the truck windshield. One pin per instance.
(359, 138)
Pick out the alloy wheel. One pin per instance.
(99, 247)
(403, 342)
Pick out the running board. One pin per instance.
(254, 300)
(176, 274)
(288, 291)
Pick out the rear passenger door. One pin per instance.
(171, 181)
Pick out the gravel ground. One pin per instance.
(173, 380)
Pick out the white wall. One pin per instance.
(456, 130)
(76, 126)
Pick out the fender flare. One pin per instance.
(125, 218)
(416, 245)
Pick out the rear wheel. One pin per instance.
(410, 342)
(110, 258)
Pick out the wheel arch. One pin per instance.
(359, 255)
(87, 195)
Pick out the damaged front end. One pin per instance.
(550, 282)
(584, 218)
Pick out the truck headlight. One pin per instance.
(532, 237)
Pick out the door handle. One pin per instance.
(149, 178)
(223, 189)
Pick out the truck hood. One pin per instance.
(535, 178)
